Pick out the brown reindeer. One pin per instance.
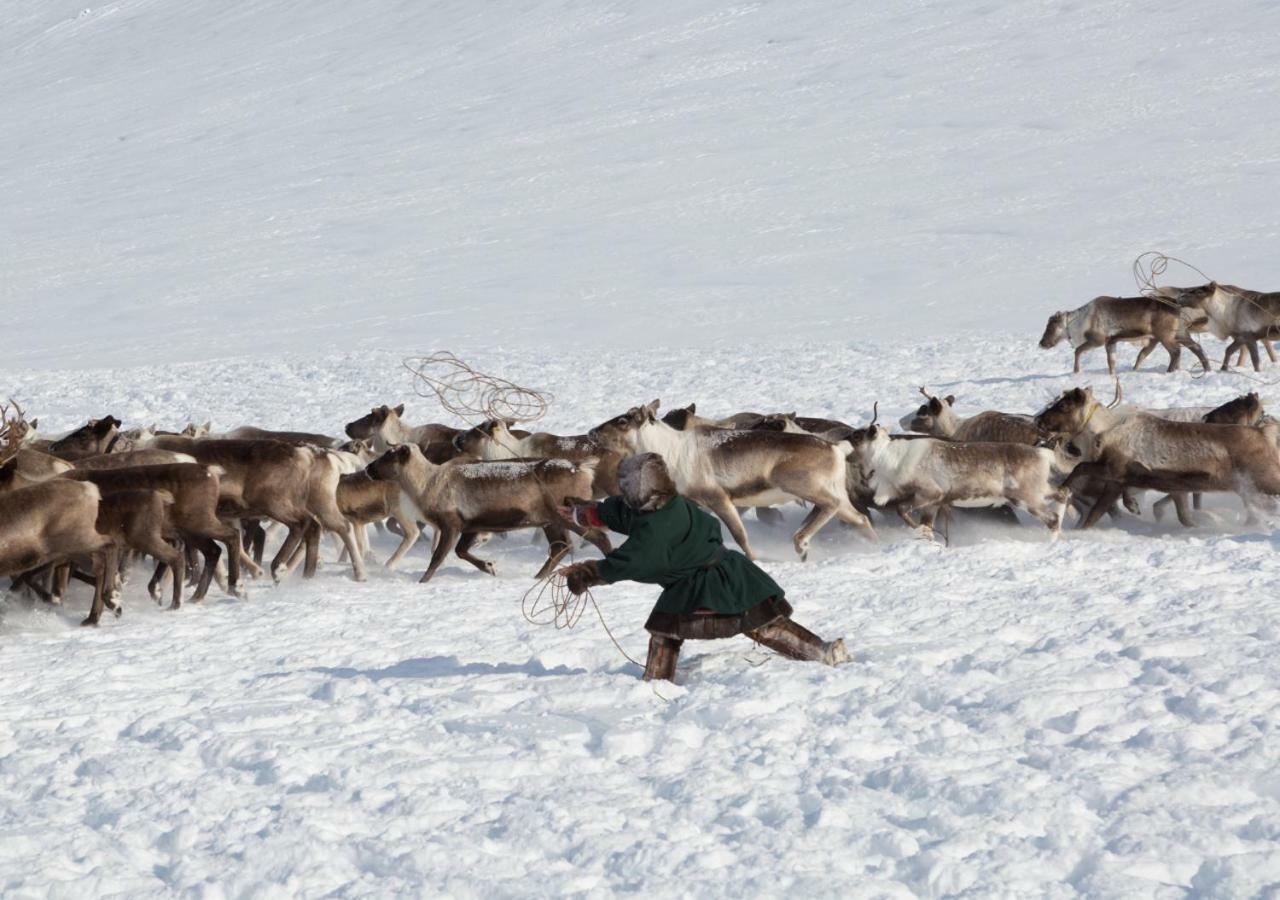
(140, 521)
(51, 523)
(1146, 452)
(1240, 316)
(27, 467)
(250, 433)
(291, 484)
(494, 440)
(723, 468)
(383, 428)
(1246, 409)
(195, 490)
(927, 475)
(1106, 321)
(937, 418)
(90, 439)
(461, 500)
(131, 458)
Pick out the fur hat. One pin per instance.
(645, 482)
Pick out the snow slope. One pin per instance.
(195, 179)
(1096, 716)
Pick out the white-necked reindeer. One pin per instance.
(724, 468)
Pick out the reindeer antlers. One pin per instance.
(925, 393)
(875, 411)
(13, 428)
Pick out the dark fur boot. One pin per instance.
(661, 664)
(793, 641)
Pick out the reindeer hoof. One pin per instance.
(91, 621)
(491, 569)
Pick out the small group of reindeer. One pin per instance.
(1169, 317)
(94, 497)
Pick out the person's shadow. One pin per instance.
(447, 667)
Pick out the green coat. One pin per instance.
(679, 547)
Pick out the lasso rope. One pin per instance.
(1149, 266)
(472, 395)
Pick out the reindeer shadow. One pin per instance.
(429, 667)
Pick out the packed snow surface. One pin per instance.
(249, 212)
(1096, 715)
(192, 180)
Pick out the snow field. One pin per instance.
(1096, 715)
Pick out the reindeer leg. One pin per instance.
(1144, 353)
(447, 535)
(728, 514)
(311, 541)
(767, 515)
(210, 551)
(1253, 356)
(820, 515)
(1175, 354)
(1089, 344)
(1198, 351)
(1271, 351)
(291, 541)
(851, 515)
(1111, 356)
(408, 537)
(1184, 514)
(1232, 347)
(1110, 494)
(104, 565)
(468, 539)
(558, 542)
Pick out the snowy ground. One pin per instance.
(1097, 715)
(192, 180)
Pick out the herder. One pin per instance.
(708, 591)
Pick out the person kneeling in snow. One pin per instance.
(708, 591)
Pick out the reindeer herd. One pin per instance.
(1168, 317)
(93, 503)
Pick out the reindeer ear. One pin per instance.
(400, 409)
(951, 399)
(35, 423)
(935, 405)
(691, 408)
(650, 410)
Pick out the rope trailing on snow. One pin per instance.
(549, 601)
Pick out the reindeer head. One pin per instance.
(1068, 413)
(620, 432)
(90, 439)
(473, 440)
(389, 465)
(1055, 331)
(785, 422)
(866, 440)
(1244, 410)
(935, 416)
(196, 431)
(361, 450)
(370, 426)
(684, 418)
